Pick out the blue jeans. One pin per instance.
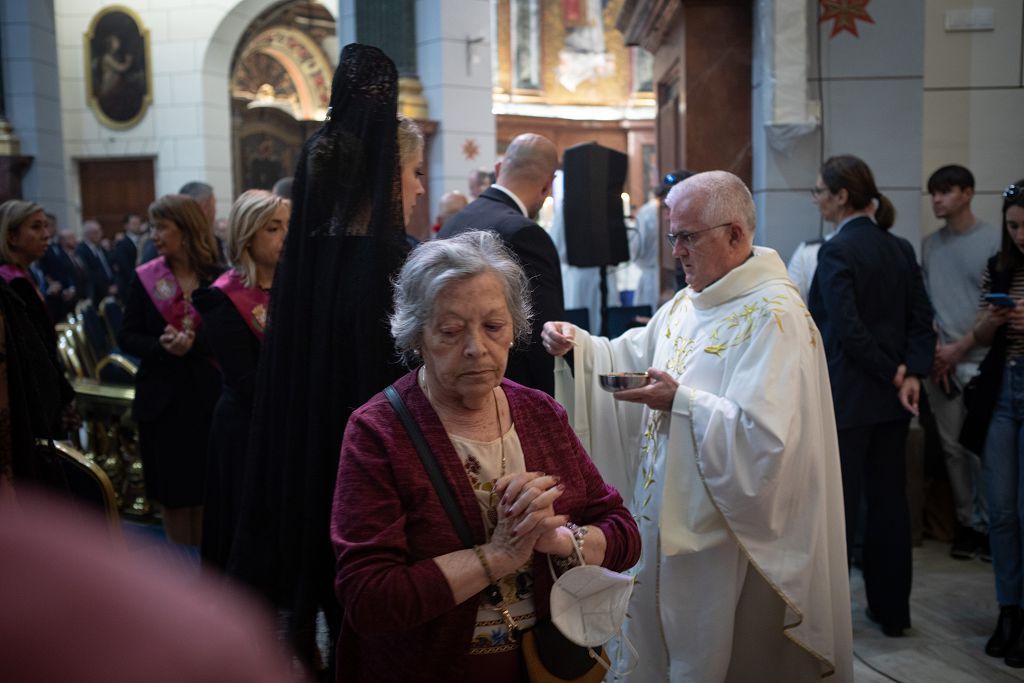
(1004, 483)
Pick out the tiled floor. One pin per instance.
(953, 609)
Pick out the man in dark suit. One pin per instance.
(96, 262)
(509, 208)
(869, 302)
(69, 271)
(125, 256)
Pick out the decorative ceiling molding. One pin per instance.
(644, 22)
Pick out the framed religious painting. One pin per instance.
(117, 67)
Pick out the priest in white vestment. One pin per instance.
(731, 457)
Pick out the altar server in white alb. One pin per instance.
(731, 456)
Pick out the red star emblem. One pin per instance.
(845, 14)
(470, 150)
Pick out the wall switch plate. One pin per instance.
(979, 19)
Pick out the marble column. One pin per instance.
(454, 56)
(12, 164)
(391, 26)
(32, 102)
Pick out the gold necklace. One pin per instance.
(492, 511)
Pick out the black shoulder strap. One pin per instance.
(444, 491)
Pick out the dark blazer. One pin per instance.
(237, 350)
(149, 251)
(98, 276)
(70, 273)
(122, 260)
(869, 301)
(531, 366)
(164, 378)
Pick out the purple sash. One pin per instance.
(10, 272)
(251, 302)
(162, 287)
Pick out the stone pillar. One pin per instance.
(454, 57)
(32, 103)
(391, 26)
(12, 164)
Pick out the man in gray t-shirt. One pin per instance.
(952, 262)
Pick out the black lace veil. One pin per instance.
(328, 347)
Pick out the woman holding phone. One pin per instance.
(1000, 326)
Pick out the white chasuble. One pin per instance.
(744, 469)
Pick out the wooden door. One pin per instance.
(111, 188)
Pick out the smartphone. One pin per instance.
(999, 299)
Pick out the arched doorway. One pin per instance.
(280, 89)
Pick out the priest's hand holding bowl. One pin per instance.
(559, 337)
(657, 394)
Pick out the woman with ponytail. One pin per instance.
(869, 302)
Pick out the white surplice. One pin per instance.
(744, 471)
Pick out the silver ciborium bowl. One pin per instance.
(616, 381)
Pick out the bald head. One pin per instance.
(528, 168)
(451, 203)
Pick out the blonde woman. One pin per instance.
(178, 383)
(234, 313)
(35, 391)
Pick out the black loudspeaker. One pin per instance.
(595, 230)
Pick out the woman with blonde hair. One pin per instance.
(178, 383)
(36, 395)
(234, 311)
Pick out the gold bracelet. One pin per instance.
(487, 567)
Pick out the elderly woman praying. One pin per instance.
(417, 603)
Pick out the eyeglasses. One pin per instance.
(816, 191)
(689, 238)
(670, 179)
(1013, 192)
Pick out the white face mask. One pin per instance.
(588, 605)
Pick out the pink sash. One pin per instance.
(10, 272)
(251, 302)
(165, 293)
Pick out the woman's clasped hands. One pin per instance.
(527, 522)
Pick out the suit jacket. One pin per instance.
(869, 301)
(58, 265)
(164, 378)
(99, 277)
(494, 210)
(122, 259)
(149, 252)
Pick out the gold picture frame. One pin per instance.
(118, 77)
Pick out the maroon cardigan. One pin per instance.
(400, 620)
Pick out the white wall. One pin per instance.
(907, 96)
(973, 99)
(870, 89)
(459, 95)
(187, 127)
(32, 100)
